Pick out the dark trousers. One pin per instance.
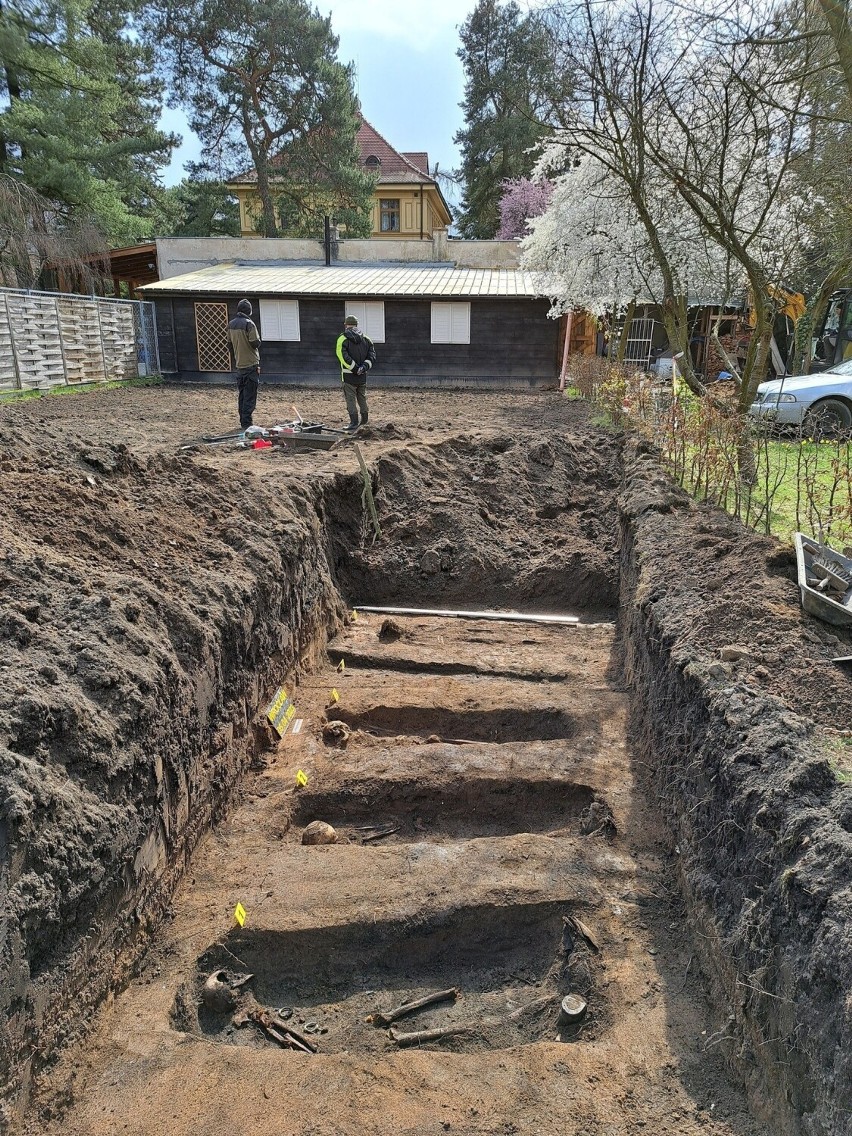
(356, 399)
(247, 399)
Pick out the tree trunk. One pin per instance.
(676, 323)
(803, 357)
(836, 14)
(270, 228)
(260, 155)
(13, 88)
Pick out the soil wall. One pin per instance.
(761, 823)
(141, 635)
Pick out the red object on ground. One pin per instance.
(261, 444)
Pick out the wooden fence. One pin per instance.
(55, 339)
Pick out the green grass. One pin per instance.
(797, 478)
(81, 388)
(803, 473)
(840, 759)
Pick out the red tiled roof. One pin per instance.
(418, 158)
(395, 167)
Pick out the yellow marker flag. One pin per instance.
(335, 697)
(354, 616)
(240, 914)
(301, 779)
(341, 666)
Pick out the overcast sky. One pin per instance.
(409, 79)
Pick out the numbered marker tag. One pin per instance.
(281, 712)
(301, 779)
(335, 697)
(240, 914)
(341, 666)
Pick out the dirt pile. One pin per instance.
(762, 822)
(502, 518)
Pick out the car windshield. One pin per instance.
(842, 368)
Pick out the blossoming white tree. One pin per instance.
(591, 249)
(692, 182)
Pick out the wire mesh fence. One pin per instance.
(52, 339)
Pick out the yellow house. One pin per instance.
(407, 202)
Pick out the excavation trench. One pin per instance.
(146, 780)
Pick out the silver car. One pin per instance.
(821, 403)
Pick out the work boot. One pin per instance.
(352, 427)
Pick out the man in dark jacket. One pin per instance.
(245, 344)
(356, 355)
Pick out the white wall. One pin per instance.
(176, 255)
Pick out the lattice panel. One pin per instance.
(38, 341)
(8, 375)
(81, 340)
(119, 340)
(211, 333)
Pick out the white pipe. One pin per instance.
(501, 616)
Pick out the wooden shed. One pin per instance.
(434, 324)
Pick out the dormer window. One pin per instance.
(372, 163)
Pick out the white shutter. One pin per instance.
(279, 321)
(370, 315)
(442, 323)
(451, 323)
(375, 315)
(358, 309)
(461, 323)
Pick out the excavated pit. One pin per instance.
(464, 808)
(512, 966)
(153, 604)
(502, 726)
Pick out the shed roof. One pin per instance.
(407, 280)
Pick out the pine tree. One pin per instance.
(198, 208)
(79, 108)
(269, 93)
(509, 96)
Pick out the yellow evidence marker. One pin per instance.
(335, 697)
(341, 666)
(240, 914)
(301, 779)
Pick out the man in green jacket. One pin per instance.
(245, 344)
(356, 355)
